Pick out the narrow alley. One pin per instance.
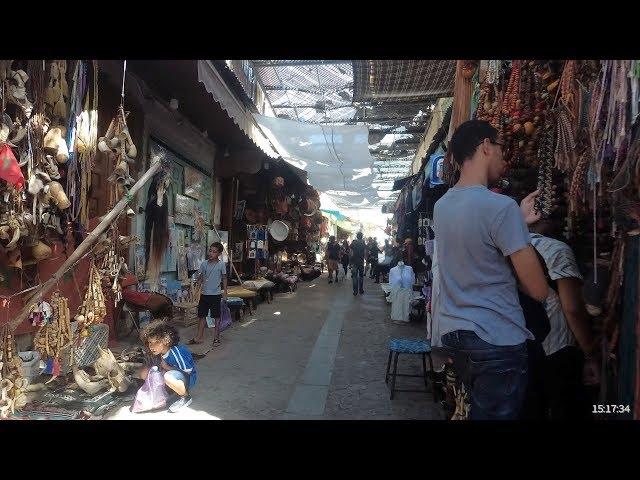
(317, 353)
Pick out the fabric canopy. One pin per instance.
(336, 158)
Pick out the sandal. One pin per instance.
(193, 341)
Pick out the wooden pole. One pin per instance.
(87, 243)
(229, 255)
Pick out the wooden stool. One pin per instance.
(414, 347)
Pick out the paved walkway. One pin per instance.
(318, 353)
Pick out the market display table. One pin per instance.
(247, 295)
(262, 286)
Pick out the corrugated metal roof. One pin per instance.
(391, 96)
(402, 80)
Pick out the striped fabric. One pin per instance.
(561, 263)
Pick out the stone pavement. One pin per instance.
(318, 353)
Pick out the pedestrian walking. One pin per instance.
(344, 257)
(332, 255)
(357, 258)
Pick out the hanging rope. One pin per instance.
(124, 74)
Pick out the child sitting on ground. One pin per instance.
(180, 373)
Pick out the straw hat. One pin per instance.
(279, 230)
(41, 251)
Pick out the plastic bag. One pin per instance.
(152, 394)
(225, 316)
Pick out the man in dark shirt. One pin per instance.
(333, 255)
(373, 252)
(358, 252)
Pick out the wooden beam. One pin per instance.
(86, 244)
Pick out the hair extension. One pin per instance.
(156, 234)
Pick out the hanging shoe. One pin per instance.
(51, 168)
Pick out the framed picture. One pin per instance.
(195, 256)
(252, 254)
(184, 211)
(193, 183)
(238, 252)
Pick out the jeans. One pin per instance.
(495, 376)
(357, 276)
(374, 267)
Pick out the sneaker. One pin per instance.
(361, 292)
(181, 402)
(355, 294)
(330, 281)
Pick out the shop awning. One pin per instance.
(335, 213)
(345, 225)
(401, 182)
(179, 79)
(215, 85)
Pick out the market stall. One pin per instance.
(570, 129)
(50, 141)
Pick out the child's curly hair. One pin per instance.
(160, 330)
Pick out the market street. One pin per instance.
(318, 353)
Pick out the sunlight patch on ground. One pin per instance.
(276, 313)
(186, 413)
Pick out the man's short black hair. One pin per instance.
(219, 247)
(359, 235)
(468, 136)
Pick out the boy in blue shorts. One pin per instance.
(180, 373)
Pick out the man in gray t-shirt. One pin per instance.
(480, 236)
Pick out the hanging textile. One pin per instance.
(628, 341)
(461, 112)
(636, 407)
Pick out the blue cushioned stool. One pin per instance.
(235, 304)
(415, 347)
